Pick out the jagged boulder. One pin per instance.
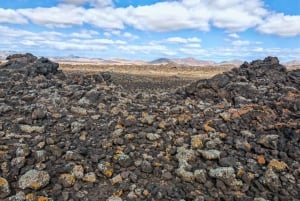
(251, 82)
(30, 65)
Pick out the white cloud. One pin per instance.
(193, 45)
(165, 16)
(62, 16)
(144, 49)
(69, 15)
(234, 36)
(55, 40)
(84, 34)
(240, 42)
(281, 25)
(183, 40)
(11, 16)
(237, 15)
(105, 18)
(231, 15)
(130, 36)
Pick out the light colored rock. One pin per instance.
(78, 171)
(34, 179)
(117, 133)
(184, 154)
(18, 162)
(124, 160)
(227, 175)
(89, 177)
(40, 155)
(116, 179)
(269, 141)
(32, 129)
(20, 196)
(114, 198)
(67, 180)
(76, 127)
(260, 199)
(271, 179)
(149, 119)
(200, 175)
(196, 141)
(152, 136)
(105, 168)
(210, 154)
(79, 110)
(22, 150)
(132, 195)
(185, 175)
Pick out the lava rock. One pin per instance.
(4, 188)
(34, 179)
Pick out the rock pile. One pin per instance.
(77, 137)
(30, 65)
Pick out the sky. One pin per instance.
(216, 30)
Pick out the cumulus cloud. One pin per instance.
(165, 16)
(105, 18)
(61, 16)
(237, 15)
(231, 15)
(280, 24)
(65, 15)
(11, 16)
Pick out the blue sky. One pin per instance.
(149, 29)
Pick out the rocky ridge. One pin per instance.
(74, 137)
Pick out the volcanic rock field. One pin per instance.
(79, 137)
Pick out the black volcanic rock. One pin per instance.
(258, 80)
(235, 136)
(30, 65)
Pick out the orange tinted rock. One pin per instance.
(42, 198)
(277, 165)
(261, 160)
(207, 128)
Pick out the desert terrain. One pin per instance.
(72, 132)
(148, 77)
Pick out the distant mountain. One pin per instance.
(162, 61)
(189, 61)
(84, 60)
(232, 62)
(292, 63)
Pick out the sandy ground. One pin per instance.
(149, 71)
